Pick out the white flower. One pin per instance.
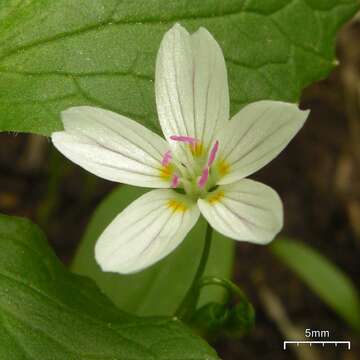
(199, 168)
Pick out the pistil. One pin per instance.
(192, 168)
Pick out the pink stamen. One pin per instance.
(175, 181)
(184, 139)
(167, 158)
(213, 153)
(204, 177)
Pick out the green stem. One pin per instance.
(231, 287)
(188, 305)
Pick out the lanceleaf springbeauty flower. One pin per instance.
(200, 166)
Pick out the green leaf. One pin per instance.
(56, 54)
(160, 289)
(323, 277)
(48, 313)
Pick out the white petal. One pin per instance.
(246, 210)
(146, 231)
(191, 85)
(256, 135)
(112, 146)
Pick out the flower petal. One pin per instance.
(255, 136)
(146, 231)
(113, 147)
(191, 85)
(246, 210)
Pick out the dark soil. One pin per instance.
(318, 178)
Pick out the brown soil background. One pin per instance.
(318, 178)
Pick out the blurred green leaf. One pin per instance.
(160, 289)
(323, 277)
(232, 321)
(209, 319)
(235, 317)
(56, 54)
(241, 319)
(48, 313)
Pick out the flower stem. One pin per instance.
(188, 305)
(228, 285)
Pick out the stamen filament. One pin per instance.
(175, 181)
(213, 153)
(166, 158)
(203, 178)
(184, 139)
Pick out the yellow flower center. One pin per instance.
(176, 205)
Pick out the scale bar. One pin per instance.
(297, 342)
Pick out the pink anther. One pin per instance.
(166, 158)
(213, 153)
(204, 177)
(175, 181)
(185, 139)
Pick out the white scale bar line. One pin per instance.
(297, 342)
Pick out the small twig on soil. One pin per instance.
(276, 311)
(36, 150)
(347, 175)
(357, 17)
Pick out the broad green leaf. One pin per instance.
(56, 54)
(323, 277)
(47, 313)
(159, 289)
